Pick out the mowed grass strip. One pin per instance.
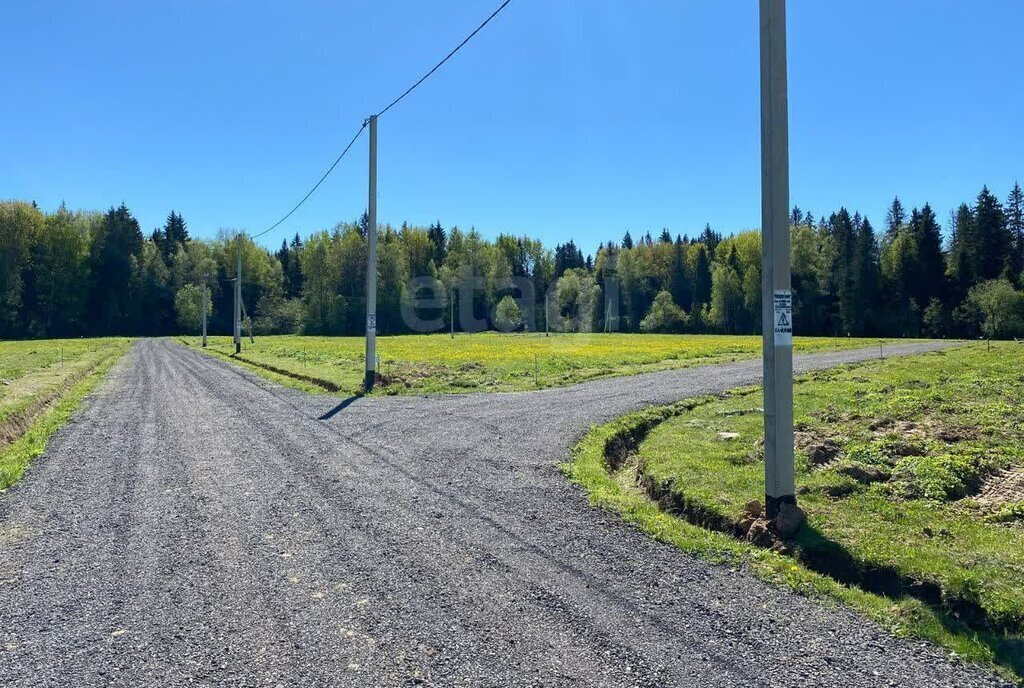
(893, 458)
(490, 361)
(42, 382)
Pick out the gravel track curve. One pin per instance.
(196, 525)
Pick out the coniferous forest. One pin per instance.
(75, 273)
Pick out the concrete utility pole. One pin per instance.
(451, 305)
(777, 298)
(547, 315)
(371, 265)
(204, 309)
(607, 313)
(238, 301)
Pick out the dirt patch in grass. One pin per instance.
(1001, 489)
(396, 378)
(14, 426)
(913, 433)
(820, 450)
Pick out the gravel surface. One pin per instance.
(196, 525)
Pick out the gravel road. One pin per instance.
(197, 526)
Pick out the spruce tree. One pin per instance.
(1015, 227)
(733, 261)
(710, 238)
(175, 233)
(843, 268)
(993, 240)
(627, 240)
(963, 247)
(439, 240)
(116, 247)
(293, 276)
(679, 282)
(159, 240)
(701, 277)
(931, 264)
(899, 267)
(568, 257)
(865, 281)
(283, 254)
(894, 219)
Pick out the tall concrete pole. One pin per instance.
(371, 265)
(777, 298)
(204, 310)
(238, 301)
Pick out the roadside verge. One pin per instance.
(609, 464)
(26, 433)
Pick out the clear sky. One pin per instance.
(562, 119)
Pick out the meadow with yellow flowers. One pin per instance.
(489, 361)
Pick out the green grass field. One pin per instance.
(41, 384)
(490, 362)
(922, 503)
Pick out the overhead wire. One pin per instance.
(390, 105)
(315, 186)
(447, 57)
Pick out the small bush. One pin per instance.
(664, 316)
(508, 315)
(941, 477)
(866, 453)
(1008, 513)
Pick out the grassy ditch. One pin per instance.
(901, 467)
(489, 361)
(42, 382)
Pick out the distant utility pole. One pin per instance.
(451, 306)
(547, 315)
(238, 300)
(205, 278)
(607, 313)
(371, 265)
(777, 297)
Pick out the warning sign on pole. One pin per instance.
(783, 317)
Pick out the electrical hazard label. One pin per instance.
(371, 322)
(783, 317)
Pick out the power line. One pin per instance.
(446, 58)
(391, 105)
(315, 186)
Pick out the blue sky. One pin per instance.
(562, 119)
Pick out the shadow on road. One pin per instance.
(339, 408)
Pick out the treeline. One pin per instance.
(67, 273)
